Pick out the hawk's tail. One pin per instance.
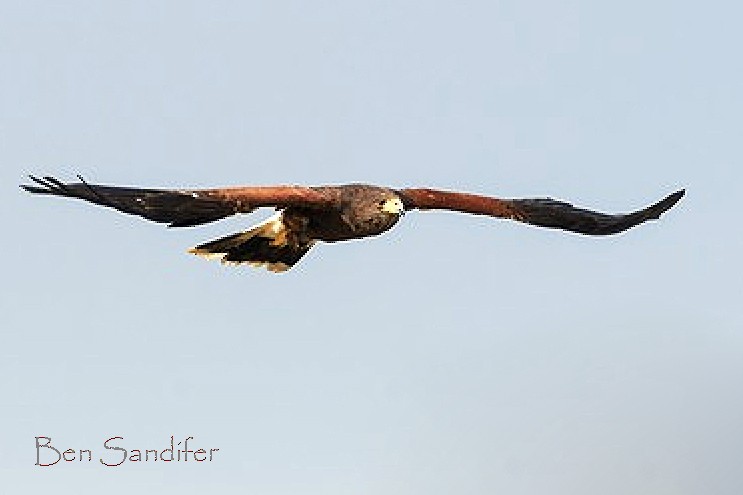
(269, 244)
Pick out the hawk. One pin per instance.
(306, 215)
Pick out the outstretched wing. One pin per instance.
(183, 207)
(544, 212)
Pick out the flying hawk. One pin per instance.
(326, 213)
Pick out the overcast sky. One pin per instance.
(455, 354)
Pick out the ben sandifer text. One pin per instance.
(115, 454)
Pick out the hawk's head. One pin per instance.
(369, 210)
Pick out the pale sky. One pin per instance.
(455, 354)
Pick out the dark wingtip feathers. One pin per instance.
(668, 202)
(178, 208)
(560, 215)
(46, 185)
(652, 212)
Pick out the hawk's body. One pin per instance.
(327, 213)
(283, 239)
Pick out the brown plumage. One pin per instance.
(326, 213)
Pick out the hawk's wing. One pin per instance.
(182, 207)
(544, 212)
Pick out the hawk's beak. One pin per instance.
(393, 206)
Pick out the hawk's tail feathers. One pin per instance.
(268, 245)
